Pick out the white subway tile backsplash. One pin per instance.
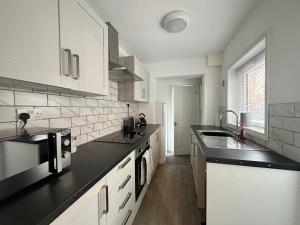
(69, 111)
(60, 123)
(80, 102)
(291, 152)
(82, 139)
(8, 114)
(93, 135)
(9, 125)
(283, 135)
(75, 131)
(56, 100)
(49, 112)
(297, 139)
(92, 119)
(274, 145)
(78, 121)
(297, 109)
(30, 99)
(292, 124)
(276, 121)
(87, 129)
(85, 111)
(7, 97)
(285, 109)
(87, 117)
(35, 123)
(91, 102)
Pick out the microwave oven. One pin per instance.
(30, 155)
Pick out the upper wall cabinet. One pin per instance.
(29, 41)
(84, 48)
(60, 43)
(138, 90)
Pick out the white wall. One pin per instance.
(282, 19)
(192, 68)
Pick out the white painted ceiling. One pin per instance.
(213, 22)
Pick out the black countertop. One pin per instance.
(265, 158)
(44, 201)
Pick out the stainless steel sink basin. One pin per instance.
(216, 133)
(223, 140)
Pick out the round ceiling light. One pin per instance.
(176, 21)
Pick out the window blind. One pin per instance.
(252, 93)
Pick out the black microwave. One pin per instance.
(30, 155)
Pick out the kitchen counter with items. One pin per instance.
(44, 201)
(261, 157)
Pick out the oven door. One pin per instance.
(28, 159)
(139, 169)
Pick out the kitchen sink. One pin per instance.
(216, 133)
(223, 140)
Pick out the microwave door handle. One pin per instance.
(54, 152)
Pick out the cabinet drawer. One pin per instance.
(118, 174)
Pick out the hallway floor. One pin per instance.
(171, 197)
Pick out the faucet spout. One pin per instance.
(237, 120)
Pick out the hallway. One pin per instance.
(171, 197)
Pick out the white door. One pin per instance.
(29, 41)
(183, 118)
(86, 35)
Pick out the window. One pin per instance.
(252, 93)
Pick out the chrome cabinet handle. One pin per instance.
(125, 182)
(175, 124)
(103, 210)
(125, 163)
(192, 139)
(75, 68)
(157, 137)
(127, 217)
(143, 93)
(122, 206)
(67, 62)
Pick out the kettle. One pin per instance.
(141, 120)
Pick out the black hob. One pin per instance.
(122, 138)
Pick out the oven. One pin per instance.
(139, 164)
(30, 155)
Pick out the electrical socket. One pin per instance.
(35, 114)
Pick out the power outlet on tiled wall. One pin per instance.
(88, 117)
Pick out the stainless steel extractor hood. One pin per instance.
(117, 72)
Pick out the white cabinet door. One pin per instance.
(138, 85)
(145, 87)
(88, 209)
(86, 35)
(29, 41)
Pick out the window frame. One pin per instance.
(232, 72)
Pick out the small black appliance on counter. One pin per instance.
(141, 121)
(30, 155)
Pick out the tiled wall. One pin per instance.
(89, 117)
(284, 130)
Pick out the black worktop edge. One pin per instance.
(289, 165)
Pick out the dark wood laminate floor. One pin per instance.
(170, 199)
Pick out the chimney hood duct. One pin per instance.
(117, 72)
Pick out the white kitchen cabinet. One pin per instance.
(138, 90)
(89, 209)
(84, 48)
(155, 140)
(144, 87)
(121, 182)
(29, 41)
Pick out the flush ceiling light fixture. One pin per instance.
(175, 21)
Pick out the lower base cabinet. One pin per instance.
(90, 209)
(112, 200)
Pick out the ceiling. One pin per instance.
(213, 22)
